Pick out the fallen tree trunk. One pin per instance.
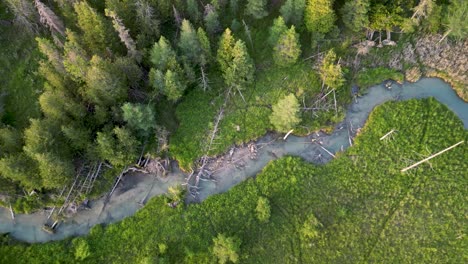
(430, 157)
(388, 134)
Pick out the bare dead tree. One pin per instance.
(49, 18)
(25, 15)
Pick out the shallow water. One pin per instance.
(125, 200)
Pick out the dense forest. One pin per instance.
(90, 88)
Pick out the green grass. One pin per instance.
(357, 209)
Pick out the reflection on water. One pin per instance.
(125, 203)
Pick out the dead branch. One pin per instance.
(287, 134)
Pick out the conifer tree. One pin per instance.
(75, 60)
(287, 49)
(256, 8)
(355, 15)
(285, 114)
(211, 19)
(331, 73)
(276, 30)
(293, 11)
(319, 16)
(188, 42)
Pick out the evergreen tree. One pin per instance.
(319, 16)
(173, 85)
(256, 8)
(293, 11)
(105, 84)
(285, 114)
(162, 55)
(287, 49)
(211, 19)
(226, 248)
(118, 146)
(206, 55)
(148, 24)
(188, 42)
(276, 30)
(21, 168)
(97, 32)
(225, 47)
(355, 15)
(75, 60)
(456, 18)
(139, 117)
(52, 53)
(331, 73)
(193, 11)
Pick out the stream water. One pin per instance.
(125, 200)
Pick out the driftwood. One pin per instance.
(287, 134)
(432, 156)
(12, 214)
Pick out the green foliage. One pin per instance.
(206, 55)
(193, 11)
(456, 19)
(319, 16)
(10, 141)
(256, 8)
(263, 210)
(211, 20)
(276, 31)
(173, 85)
(188, 42)
(285, 115)
(82, 250)
(288, 49)
(162, 55)
(369, 77)
(20, 168)
(75, 60)
(293, 11)
(331, 73)
(226, 248)
(105, 85)
(355, 15)
(118, 146)
(97, 32)
(139, 117)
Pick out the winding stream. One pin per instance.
(234, 168)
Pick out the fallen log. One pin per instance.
(287, 134)
(430, 157)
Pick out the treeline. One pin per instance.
(109, 66)
(359, 208)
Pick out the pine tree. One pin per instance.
(256, 8)
(293, 11)
(319, 16)
(148, 24)
(97, 32)
(193, 11)
(285, 114)
(287, 49)
(456, 18)
(105, 84)
(239, 73)
(331, 73)
(118, 146)
(52, 53)
(188, 42)
(211, 19)
(124, 35)
(49, 18)
(355, 15)
(162, 55)
(139, 117)
(75, 60)
(206, 55)
(276, 30)
(225, 47)
(173, 85)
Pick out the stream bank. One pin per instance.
(233, 168)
